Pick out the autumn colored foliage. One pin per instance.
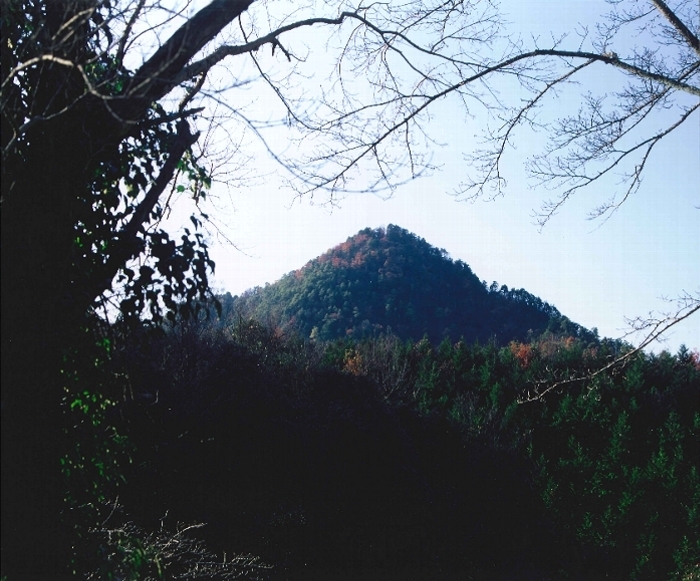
(522, 352)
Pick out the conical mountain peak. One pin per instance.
(389, 280)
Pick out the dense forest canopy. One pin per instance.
(412, 459)
(392, 281)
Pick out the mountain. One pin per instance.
(390, 280)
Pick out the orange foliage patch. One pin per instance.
(550, 346)
(358, 260)
(695, 359)
(354, 363)
(339, 261)
(522, 352)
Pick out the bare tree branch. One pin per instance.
(678, 24)
(653, 327)
(567, 172)
(121, 50)
(155, 77)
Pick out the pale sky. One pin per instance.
(596, 274)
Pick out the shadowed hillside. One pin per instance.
(389, 280)
(387, 460)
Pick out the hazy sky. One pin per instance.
(596, 274)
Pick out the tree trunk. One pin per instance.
(42, 303)
(45, 295)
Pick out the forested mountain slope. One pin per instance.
(390, 280)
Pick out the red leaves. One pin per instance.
(523, 352)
